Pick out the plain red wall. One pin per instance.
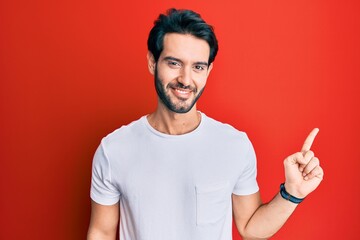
(72, 71)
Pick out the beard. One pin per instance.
(178, 107)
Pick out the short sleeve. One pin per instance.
(246, 183)
(102, 190)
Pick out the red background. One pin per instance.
(72, 71)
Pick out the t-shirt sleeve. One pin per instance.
(247, 183)
(102, 189)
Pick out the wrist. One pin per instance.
(293, 189)
(288, 196)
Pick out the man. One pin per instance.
(178, 174)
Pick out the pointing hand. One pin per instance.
(302, 170)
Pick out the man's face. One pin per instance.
(181, 71)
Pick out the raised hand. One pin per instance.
(302, 170)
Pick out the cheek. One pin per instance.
(200, 82)
(168, 75)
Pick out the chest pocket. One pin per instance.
(212, 202)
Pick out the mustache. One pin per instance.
(182, 86)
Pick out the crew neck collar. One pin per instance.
(164, 135)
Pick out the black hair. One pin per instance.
(183, 22)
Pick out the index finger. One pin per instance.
(309, 140)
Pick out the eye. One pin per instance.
(199, 68)
(174, 64)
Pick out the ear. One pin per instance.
(210, 68)
(151, 62)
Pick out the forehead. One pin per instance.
(185, 47)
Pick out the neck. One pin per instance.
(168, 122)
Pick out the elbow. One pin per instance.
(97, 235)
(249, 235)
(251, 238)
(244, 237)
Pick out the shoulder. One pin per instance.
(224, 130)
(124, 134)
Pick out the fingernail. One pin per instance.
(306, 178)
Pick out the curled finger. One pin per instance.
(312, 169)
(308, 155)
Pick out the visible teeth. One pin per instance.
(181, 91)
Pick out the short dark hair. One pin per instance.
(183, 22)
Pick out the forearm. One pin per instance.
(269, 218)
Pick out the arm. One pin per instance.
(104, 221)
(303, 174)
(255, 220)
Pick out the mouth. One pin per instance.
(182, 93)
(182, 90)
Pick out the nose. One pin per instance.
(185, 77)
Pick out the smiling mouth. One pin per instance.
(181, 94)
(182, 91)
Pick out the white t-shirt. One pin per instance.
(174, 186)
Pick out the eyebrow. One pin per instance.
(178, 60)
